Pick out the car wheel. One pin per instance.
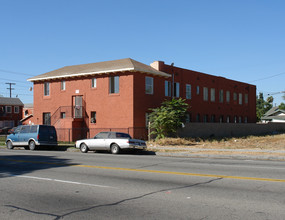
(9, 145)
(32, 145)
(115, 149)
(83, 148)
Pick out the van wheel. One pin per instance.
(83, 148)
(115, 149)
(32, 145)
(9, 145)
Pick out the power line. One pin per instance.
(269, 77)
(18, 73)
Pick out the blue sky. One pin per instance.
(238, 39)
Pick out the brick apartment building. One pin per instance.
(10, 112)
(118, 94)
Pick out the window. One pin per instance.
(188, 118)
(114, 84)
(26, 112)
(176, 90)
(205, 94)
(213, 118)
(205, 118)
(240, 99)
(235, 96)
(228, 119)
(93, 118)
(167, 88)
(212, 94)
(8, 109)
(148, 85)
(239, 119)
(46, 118)
(188, 91)
(93, 83)
(197, 90)
(235, 119)
(228, 96)
(221, 120)
(46, 89)
(246, 98)
(16, 109)
(62, 85)
(245, 119)
(198, 118)
(62, 115)
(146, 119)
(221, 96)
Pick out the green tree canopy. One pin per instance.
(166, 119)
(262, 106)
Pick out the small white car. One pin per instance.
(111, 141)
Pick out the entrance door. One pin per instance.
(77, 106)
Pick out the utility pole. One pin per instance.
(10, 88)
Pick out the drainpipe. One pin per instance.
(172, 79)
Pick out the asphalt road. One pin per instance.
(66, 185)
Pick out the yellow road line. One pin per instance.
(154, 171)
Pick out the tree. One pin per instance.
(166, 119)
(262, 106)
(282, 104)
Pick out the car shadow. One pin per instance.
(13, 165)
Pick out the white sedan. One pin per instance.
(111, 141)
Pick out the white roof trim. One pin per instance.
(81, 74)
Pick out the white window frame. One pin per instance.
(167, 88)
(114, 84)
(228, 96)
(16, 109)
(213, 95)
(205, 94)
(46, 88)
(188, 91)
(8, 108)
(176, 90)
(149, 85)
(221, 96)
(62, 85)
(240, 98)
(93, 83)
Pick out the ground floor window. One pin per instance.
(62, 115)
(46, 118)
(93, 118)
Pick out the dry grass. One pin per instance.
(269, 142)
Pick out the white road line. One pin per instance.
(62, 181)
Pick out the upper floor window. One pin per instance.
(16, 109)
(148, 85)
(93, 117)
(167, 88)
(114, 84)
(46, 89)
(188, 91)
(8, 109)
(246, 98)
(176, 90)
(93, 83)
(205, 94)
(240, 99)
(62, 85)
(212, 94)
(197, 90)
(221, 96)
(228, 96)
(235, 96)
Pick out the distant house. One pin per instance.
(11, 111)
(28, 112)
(85, 99)
(274, 115)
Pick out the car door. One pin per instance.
(99, 141)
